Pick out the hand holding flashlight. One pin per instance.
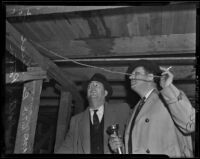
(115, 141)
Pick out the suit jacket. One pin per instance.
(78, 136)
(157, 131)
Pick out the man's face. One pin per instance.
(96, 91)
(139, 78)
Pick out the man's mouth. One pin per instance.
(93, 93)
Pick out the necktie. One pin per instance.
(142, 101)
(95, 118)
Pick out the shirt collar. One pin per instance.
(148, 94)
(101, 109)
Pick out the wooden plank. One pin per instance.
(15, 11)
(16, 52)
(144, 24)
(28, 30)
(125, 61)
(156, 22)
(126, 46)
(152, 45)
(64, 115)
(25, 76)
(28, 117)
(182, 72)
(15, 39)
(133, 25)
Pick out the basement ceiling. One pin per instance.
(110, 37)
(120, 31)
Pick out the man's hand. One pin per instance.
(115, 142)
(166, 78)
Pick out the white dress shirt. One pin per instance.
(99, 113)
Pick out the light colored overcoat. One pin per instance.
(158, 132)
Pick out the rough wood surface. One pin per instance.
(64, 115)
(23, 47)
(28, 117)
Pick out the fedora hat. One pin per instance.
(102, 79)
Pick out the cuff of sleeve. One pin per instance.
(170, 93)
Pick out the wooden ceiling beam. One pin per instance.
(16, 11)
(24, 48)
(125, 61)
(154, 45)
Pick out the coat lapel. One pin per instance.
(148, 104)
(85, 131)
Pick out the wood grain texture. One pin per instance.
(64, 115)
(28, 117)
(52, 70)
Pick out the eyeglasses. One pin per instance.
(139, 73)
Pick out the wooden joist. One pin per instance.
(25, 76)
(16, 11)
(23, 48)
(64, 115)
(28, 117)
(181, 72)
(116, 61)
(123, 46)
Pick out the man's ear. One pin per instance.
(106, 93)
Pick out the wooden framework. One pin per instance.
(18, 45)
(28, 117)
(25, 76)
(64, 115)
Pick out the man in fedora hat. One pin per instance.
(88, 130)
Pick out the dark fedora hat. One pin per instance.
(102, 79)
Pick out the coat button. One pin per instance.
(147, 151)
(146, 120)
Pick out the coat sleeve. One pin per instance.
(68, 144)
(180, 107)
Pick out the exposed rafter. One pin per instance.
(14, 11)
(22, 48)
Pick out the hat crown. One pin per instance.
(98, 76)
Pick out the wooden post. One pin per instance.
(28, 117)
(64, 115)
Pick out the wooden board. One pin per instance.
(181, 72)
(28, 117)
(15, 39)
(124, 46)
(64, 115)
(25, 76)
(13, 10)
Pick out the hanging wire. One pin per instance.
(74, 61)
(91, 66)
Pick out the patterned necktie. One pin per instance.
(142, 101)
(95, 118)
